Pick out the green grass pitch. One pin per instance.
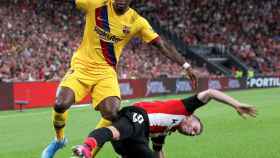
(226, 135)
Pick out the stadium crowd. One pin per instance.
(37, 44)
(249, 28)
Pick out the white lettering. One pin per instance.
(263, 82)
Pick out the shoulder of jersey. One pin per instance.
(98, 3)
(136, 17)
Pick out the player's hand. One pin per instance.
(192, 77)
(244, 111)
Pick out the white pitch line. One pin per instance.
(35, 113)
(80, 106)
(76, 107)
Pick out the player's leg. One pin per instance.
(70, 91)
(65, 98)
(138, 145)
(139, 150)
(120, 130)
(108, 108)
(123, 128)
(133, 149)
(119, 148)
(106, 99)
(143, 152)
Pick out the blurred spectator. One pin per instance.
(38, 44)
(249, 28)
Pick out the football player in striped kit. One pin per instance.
(110, 26)
(130, 133)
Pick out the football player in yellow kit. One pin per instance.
(110, 24)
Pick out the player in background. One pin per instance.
(110, 24)
(130, 132)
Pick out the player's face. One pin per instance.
(190, 126)
(121, 6)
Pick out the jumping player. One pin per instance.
(130, 132)
(110, 24)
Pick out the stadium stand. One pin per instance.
(250, 30)
(36, 43)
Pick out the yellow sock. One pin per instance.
(102, 123)
(59, 120)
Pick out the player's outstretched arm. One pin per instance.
(171, 52)
(241, 108)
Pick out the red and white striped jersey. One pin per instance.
(164, 115)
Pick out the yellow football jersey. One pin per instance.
(106, 33)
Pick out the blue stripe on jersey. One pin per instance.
(106, 27)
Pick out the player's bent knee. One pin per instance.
(61, 107)
(109, 108)
(109, 114)
(64, 99)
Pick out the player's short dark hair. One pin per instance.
(201, 124)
